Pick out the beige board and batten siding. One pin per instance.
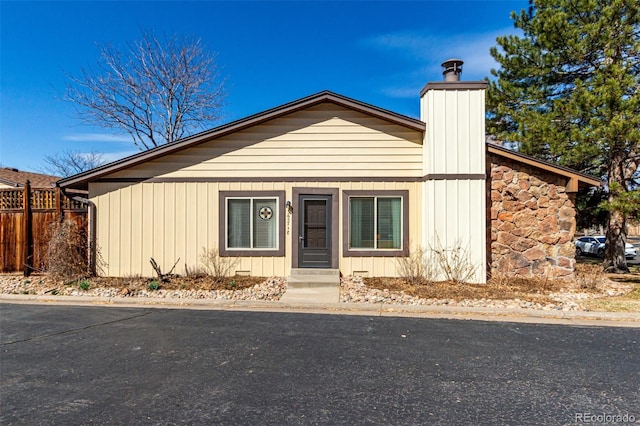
(176, 220)
(454, 193)
(322, 141)
(455, 119)
(173, 214)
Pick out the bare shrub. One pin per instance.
(454, 262)
(67, 251)
(423, 266)
(589, 276)
(163, 277)
(218, 267)
(197, 271)
(417, 268)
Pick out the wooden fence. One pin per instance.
(26, 217)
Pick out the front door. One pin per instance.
(314, 240)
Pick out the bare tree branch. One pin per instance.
(158, 91)
(68, 163)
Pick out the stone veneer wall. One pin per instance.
(532, 221)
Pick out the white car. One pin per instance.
(595, 245)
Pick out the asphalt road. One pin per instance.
(83, 365)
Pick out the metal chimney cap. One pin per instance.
(452, 69)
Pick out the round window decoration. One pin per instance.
(266, 213)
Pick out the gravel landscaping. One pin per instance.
(269, 289)
(353, 290)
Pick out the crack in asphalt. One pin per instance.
(76, 329)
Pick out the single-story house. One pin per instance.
(13, 178)
(329, 182)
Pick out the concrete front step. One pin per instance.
(315, 271)
(321, 295)
(309, 278)
(304, 281)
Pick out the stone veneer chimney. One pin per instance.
(454, 167)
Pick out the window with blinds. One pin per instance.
(252, 223)
(375, 223)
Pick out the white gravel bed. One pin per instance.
(352, 290)
(271, 289)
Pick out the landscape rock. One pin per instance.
(352, 290)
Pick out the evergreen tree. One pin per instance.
(568, 91)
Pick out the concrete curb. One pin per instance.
(620, 319)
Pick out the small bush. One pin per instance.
(195, 271)
(84, 284)
(218, 267)
(425, 266)
(417, 268)
(454, 262)
(153, 285)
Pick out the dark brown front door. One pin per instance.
(315, 231)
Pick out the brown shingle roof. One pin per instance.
(576, 179)
(15, 177)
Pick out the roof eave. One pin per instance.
(10, 183)
(576, 179)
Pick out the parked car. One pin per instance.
(595, 245)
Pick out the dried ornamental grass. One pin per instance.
(589, 276)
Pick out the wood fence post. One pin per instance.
(58, 204)
(27, 232)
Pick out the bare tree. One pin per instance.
(158, 91)
(68, 163)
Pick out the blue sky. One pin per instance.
(270, 53)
